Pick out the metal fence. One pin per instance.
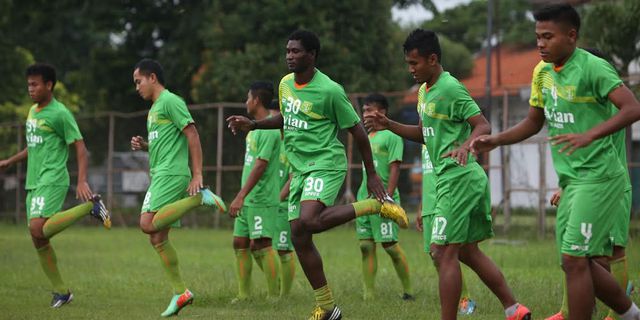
(121, 175)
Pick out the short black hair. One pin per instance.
(426, 41)
(377, 100)
(308, 39)
(263, 90)
(148, 66)
(46, 71)
(596, 52)
(559, 13)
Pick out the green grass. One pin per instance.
(117, 275)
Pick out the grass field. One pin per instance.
(116, 275)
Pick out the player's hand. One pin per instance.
(482, 144)
(571, 141)
(419, 222)
(236, 205)
(460, 155)
(555, 198)
(239, 123)
(83, 191)
(375, 187)
(195, 185)
(4, 164)
(138, 143)
(376, 121)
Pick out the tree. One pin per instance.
(619, 39)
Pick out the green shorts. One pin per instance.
(587, 218)
(45, 201)
(621, 228)
(283, 230)
(321, 185)
(428, 194)
(163, 191)
(427, 225)
(255, 222)
(463, 206)
(377, 228)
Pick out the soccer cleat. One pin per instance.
(466, 306)
(178, 302)
(60, 299)
(322, 314)
(100, 212)
(391, 210)
(408, 297)
(522, 313)
(212, 200)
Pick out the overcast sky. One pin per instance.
(415, 14)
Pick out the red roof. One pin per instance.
(516, 68)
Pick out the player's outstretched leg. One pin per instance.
(64, 219)
(369, 267)
(492, 277)
(172, 212)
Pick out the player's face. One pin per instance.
(251, 103)
(38, 89)
(298, 59)
(369, 109)
(420, 67)
(555, 41)
(144, 85)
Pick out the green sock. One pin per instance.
(243, 272)
(266, 259)
(564, 309)
(464, 293)
(324, 298)
(287, 272)
(369, 266)
(366, 207)
(172, 212)
(64, 219)
(401, 265)
(169, 259)
(619, 271)
(49, 264)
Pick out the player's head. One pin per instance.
(375, 102)
(303, 49)
(259, 96)
(557, 30)
(41, 79)
(422, 54)
(148, 77)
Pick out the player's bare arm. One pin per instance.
(284, 193)
(629, 113)
(480, 126)
(394, 175)
(242, 123)
(374, 184)
(378, 122)
(256, 173)
(83, 191)
(195, 153)
(526, 128)
(18, 157)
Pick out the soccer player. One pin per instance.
(618, 260)
(50, 129)
(572, 90)
(174, 190)
(255, 207)
(387, 149)
(313, 109)
(424, 224)
(449, 120)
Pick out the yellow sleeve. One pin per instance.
(535, 99)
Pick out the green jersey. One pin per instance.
(48, 134)
(283, 172)
(575, 99)
(264, 145)
(168, 147)
(444, 109)
(313, 114)
(386, 147)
